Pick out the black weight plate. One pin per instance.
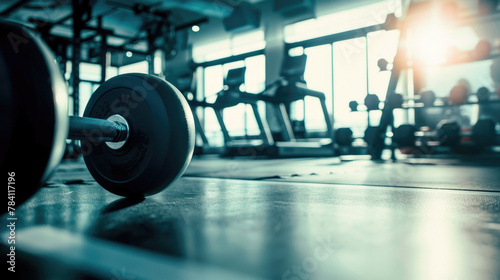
(484, 132)
(395, 100)
(404, 135)
(428, 97)
(33, 109)
(372, 102)
(353, 105)
(343, 136)
(448, 132)
(483, 94)
(161, 140)
(370, 134)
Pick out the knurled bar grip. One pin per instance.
(96, 130)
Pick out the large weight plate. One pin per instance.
(33, 110)
(161, 138)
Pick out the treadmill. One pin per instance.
(290, 88)
(186, 84)
(231, 96)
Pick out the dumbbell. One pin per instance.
(447, 133)
(395, 100)
(344, 136)
(353, 105)
(137, 133)
(459, 93)
(382, 64)
(427, 97)
(483, 94)
(372, 102)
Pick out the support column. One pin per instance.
(76, 57)
(103, 52)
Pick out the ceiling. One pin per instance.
(118, 16)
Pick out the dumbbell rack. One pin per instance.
(401, 63)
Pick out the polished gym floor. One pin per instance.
(309, 218)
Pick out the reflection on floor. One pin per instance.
(440, 219)
(446, 173)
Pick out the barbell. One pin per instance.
(343, 136)
(137, 131)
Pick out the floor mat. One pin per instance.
(439, 173)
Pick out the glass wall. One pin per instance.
(138, 67)
(239, 119)
(350, 83)
(237, 44)
(345, 70)
(342, 21)
(319, 77)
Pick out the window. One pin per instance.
(138, 67)
(319, 77)
(350, 83)
(238, 44)
(247, 42)
(90, 74)
(345, 70)
(342, 21)
(239, 119)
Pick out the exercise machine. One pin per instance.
(186, 84)
(291, 87)
(230, 96)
